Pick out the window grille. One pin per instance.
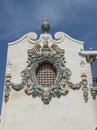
(46, 74)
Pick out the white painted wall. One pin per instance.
(22, 112)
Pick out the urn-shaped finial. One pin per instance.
(45, 26)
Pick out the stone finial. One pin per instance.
(45, 26)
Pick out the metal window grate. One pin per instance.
(46, 74)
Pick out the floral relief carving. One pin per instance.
(54, 56)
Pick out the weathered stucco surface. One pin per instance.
(70, 112)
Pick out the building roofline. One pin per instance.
(57, 36)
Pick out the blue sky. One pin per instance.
(77, 18)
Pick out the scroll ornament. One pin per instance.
(54, 55)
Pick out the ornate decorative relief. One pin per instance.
(55, 80)
(7, 83)
(85, 89)
(33, 38)
(7, 89)
(58, 38)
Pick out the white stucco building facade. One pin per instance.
(64, 102)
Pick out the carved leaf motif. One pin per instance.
(50, 54)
